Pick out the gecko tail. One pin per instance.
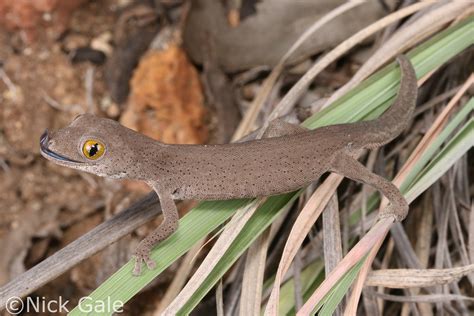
(398, 117)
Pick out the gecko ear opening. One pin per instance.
(93, 149)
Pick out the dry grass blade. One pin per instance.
(310, 213)
(332, 241)
(299, 88)
(412, 278)
(433, 298)
(252, 283)
(248, 121)
(220, 299)
(373, 236)
(471, 233)
(422, 250)
(332, 235)
(231, 231)
(404, 38)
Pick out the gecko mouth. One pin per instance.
(45, 151)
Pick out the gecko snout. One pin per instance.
(45, 149)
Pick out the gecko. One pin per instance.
(287, 158)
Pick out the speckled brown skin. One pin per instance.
(289, 158)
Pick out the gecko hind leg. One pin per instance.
(167, 227)
(351, 168)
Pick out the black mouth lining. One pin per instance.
(45, 150)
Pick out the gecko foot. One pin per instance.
(398, 213)
(142, 255)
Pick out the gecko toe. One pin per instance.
(150, 263)
(140, 258)
(137, 270)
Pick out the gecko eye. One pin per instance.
(93, 149)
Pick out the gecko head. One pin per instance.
(96, 145)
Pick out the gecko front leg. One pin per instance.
(349, 167)
(167, 227)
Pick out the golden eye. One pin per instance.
(93, 149)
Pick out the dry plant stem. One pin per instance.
(298, 292)
(435, 101)
(404, 38)
(300, 87)
(441, 211)
(332, 235)
(220, 299)
(471, 233)
(423, 215)
(385, 263)
(234, 287)
(451, 201)
(95, 240)
(422, 248)
(457, 234)
(373, 236)
(222, 244)
(248, 121)
(332, 241)
(416, 278)
(432, 298)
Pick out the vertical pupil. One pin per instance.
(93, 150)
